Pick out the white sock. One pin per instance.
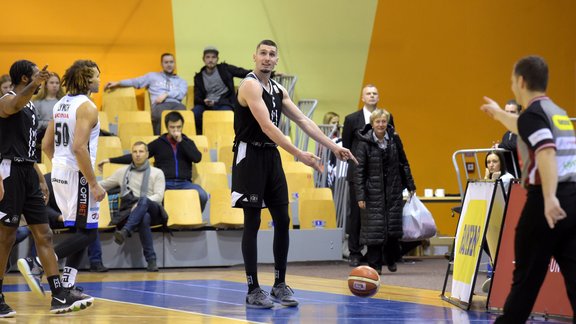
(69, 277)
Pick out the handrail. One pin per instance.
(473, 151)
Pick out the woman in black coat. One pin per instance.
(380, 177)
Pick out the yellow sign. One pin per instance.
(469, 243)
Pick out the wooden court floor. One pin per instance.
(217, 296)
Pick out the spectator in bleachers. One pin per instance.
(509, 139)
(381, 175)
(44, 102)
(353, 123)
(332, 118)
(214, 85)
(166, 89)
(174, 153)
(496, 168)
(5, 84)
(141, 194)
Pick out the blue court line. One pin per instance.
(226, 299)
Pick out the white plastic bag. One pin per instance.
(417, 221)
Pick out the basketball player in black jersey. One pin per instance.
(258, 180)
(26, 191)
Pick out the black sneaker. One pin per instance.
(98, 267)
(5, 310)
(70, 300)
(120, 236)
(284, 295)
(152, 267)
(32, 272)
(258, 298)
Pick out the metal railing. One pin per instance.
(474, 152)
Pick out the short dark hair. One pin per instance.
(515, 103)
(165, 54)
(76, 79)
(141, 143)
(19, 69)
(534, 70)
(500, 155)
(173, 116)
(267, 42)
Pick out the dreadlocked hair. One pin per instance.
(76, 80)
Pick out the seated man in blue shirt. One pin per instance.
(174, 154)
(166, 89)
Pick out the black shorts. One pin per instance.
(258, 180)
(22, 195)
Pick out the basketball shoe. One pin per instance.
(258, 298)
(284, 295)
(32, 272)
(5, 310)
(70, 300)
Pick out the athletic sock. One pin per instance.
(279, 276)
(252, 279)
(55, 284)
(69, 277)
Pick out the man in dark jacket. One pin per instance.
(174, 154)
(353, 123)
(509, 140)
(214, 85)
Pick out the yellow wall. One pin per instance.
(124, 37)
(324, 42)
(434, 60)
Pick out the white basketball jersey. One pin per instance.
(64, 114)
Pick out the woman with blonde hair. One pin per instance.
(44, 102)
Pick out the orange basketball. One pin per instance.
(363, 281)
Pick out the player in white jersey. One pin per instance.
(71, 139)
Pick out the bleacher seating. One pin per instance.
(217, 124)
(316, 209)
(298, 176)
(118, 99)
(212, 176)
(183, 208)
(127, 130)
(222, 214)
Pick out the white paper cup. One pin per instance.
(428, 193)
(439, 192)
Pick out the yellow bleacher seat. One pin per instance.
(266, 219)
(224, 151)
(128, 130)
(42, 168)
(212, 176)
(183, 208)
(104, 121)
(105, 217)
(221, 212)
(105, 152)
(134, 117)
(185, 100)
(109, 168)
(298, 176)
(109, 141)
(190, 97)
(47, 162)
(145, 139)
(316, 209)
(201, 143)
(118, 99)
(189, 124)
(217, 123)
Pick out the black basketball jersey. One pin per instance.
(18, 134)
(246, 127)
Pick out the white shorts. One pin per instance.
(73, 197)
